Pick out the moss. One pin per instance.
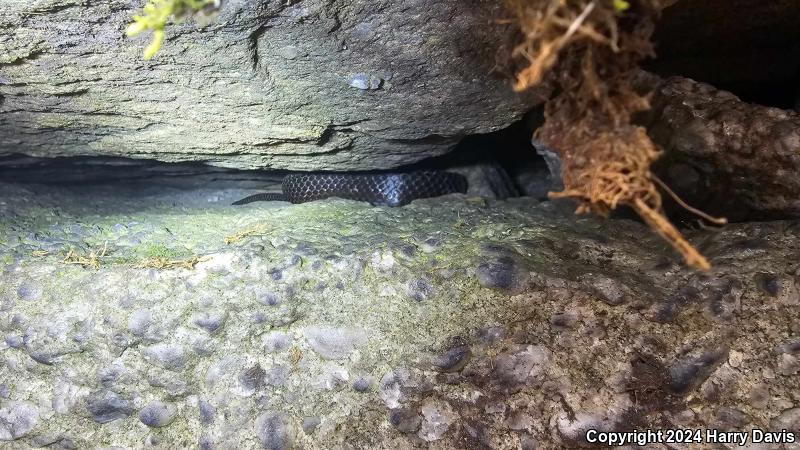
(157, 13)
(160, 251)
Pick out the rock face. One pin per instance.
(527, 327)
(723, 155)
(312, 84)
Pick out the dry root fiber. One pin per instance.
(590, 50)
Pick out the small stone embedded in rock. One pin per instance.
(207, 412)
(106, 406)
(28, 291)
(17, 419)
(431, 244)
(168, 356)
(142, 324)
(514, 369)
(274, 431)
(503, 273)
(788, 365)
(276, 341)
(362, 384)
(453, 359)
(769, 283)
(437, 419)
(334, 343)
(419, 290)
(788, 419)
(276, 375)
(406, 420)
(268, 298)
(158, 414)
(690, 372)
(610, 290)
(365, 82)
(206, 443)
(210, 321)
(729, 419)
(253, 378)
(310, 424)
(390, 389)
(490, 335)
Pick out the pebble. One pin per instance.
(268, 299)
(206, 443)
(106, 406)
(610, 290)
(419, 290)
(29, 292)
(363, 384)
(431, 244)
(512, 370)
(142, 325)
(276, 341)
(168, 356)
(490, 335)
(17, 419)
(789, 419)
(502, 273)
(690, 372)
(406, 420)
(365, 82)
(274, 431)
(759, 396)
(310, 424)
(437, 419)
(210, 321)
(207, 412)
(253, 378)
(788, 365)
(769, 283)
(453, 359)
(334, 343)
(158, 414)
(277, 375)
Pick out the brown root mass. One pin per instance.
(591, 51)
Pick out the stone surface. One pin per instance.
(722, 155)
(606, 329)
(312, 84)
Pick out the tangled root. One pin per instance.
(619, 173)
(591, 50)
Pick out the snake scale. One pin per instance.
(378, 188)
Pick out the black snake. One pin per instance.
(378, 188)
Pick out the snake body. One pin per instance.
(378, 188)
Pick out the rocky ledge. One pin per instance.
(132, 318)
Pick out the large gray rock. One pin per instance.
(447, 323)
(723, 155)
(312, 84)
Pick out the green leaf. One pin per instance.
(621, 5)
(155, 44)
(155, 15)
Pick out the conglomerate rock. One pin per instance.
(449, 323)
(303, 85)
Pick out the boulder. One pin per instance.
(314, 84)
(575, 325)
(723, 155)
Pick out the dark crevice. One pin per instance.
(756, 56)
(253, 39)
